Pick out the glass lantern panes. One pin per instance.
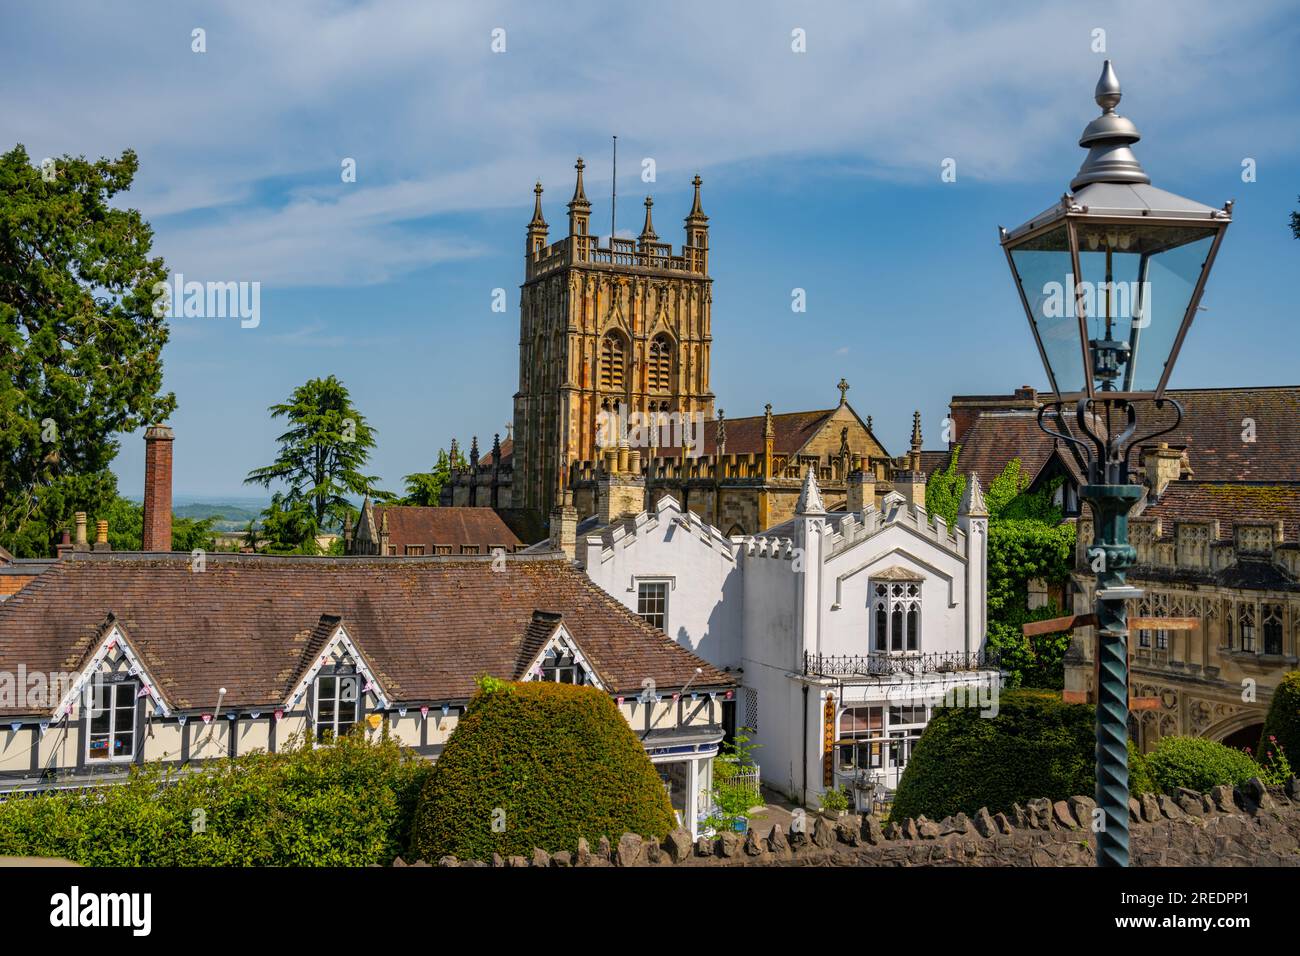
(1137, 280)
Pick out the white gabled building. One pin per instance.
(845, 628)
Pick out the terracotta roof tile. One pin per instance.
(480, 528)
(1228, 503)
(428, 626)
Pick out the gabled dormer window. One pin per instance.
(112, 728)
(560, 666)
(338, 700)
(562, 662)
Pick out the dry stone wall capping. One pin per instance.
(1252, 825)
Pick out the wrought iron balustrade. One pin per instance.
(888, 665)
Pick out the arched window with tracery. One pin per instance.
(612, 361)
(661, 364)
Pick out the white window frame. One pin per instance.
(667, 585)
(316, 720)
(112, 692)
(884, 643)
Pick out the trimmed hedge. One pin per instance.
(1283, 720)
(1140, 780)
(349, 804)
(546, 763)
(1036, 746)
(1198, 764)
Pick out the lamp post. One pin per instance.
(1110, 278)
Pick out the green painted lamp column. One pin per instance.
(1110, 555)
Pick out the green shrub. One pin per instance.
(349, 804)
(1283, 720)
(835, 801)
(1037, 746)
(547, 764)
(1198, 764)
(1139, 774)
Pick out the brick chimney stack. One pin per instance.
(158, 488)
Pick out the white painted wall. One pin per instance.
(760, 603)
(705, 599)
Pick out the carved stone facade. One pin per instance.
(600, 328)
(1239, 581)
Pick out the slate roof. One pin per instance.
(482, 528)
(428, 626)
(1229, 503)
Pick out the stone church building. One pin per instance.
(626, 330)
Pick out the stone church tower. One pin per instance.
(602, 327)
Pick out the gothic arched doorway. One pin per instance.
(1246, 737)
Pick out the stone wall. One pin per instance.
(1250, 826)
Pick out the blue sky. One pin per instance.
(821, 172)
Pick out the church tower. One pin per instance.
(626, 326)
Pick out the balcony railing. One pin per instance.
(889, 665)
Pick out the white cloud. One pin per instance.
(241, 146)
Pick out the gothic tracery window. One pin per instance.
(1272, 629)
(896, 608)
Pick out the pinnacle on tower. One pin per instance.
(579, 194)
(916, 441)
(537, 227)
(697, 211)
(537, 221)
(648, 234)
(697, 224)
(579, 206)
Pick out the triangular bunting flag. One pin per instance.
(16, 726)
(424, 712)
(182, 719)
(279, 714)
(207, 718)
(255, 714)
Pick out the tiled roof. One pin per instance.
(996, 437)
(429, 626)
(1214, 431)
(745, 435)
(1228, 503)
(933, 460)
(478, 527)
(1218, 420)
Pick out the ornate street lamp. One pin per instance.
(1110, 278)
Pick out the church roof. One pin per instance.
(792, 431)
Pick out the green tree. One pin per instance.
(80, 342)
(288, 527)
(1295, 222)
(321, 456)
(126, 528)
(424, 487)
(1027, 540)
